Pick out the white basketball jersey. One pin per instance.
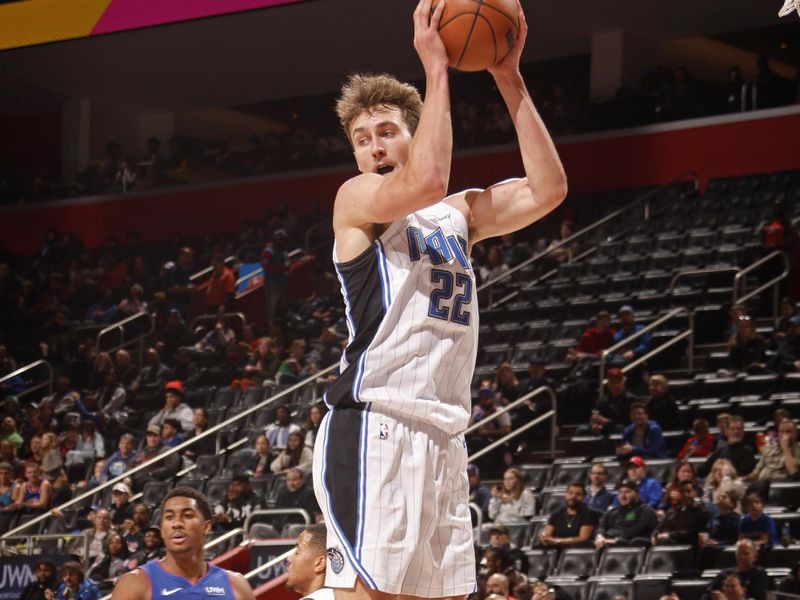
(412, 316)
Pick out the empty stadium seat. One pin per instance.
(650, 587)
(216, 489)
(577, 562)
(601, 588)
(784, 493)
(535, 475)
(575, 589)
(153, 492)
(569, 472)
(665, 560)
(540, 562)
(207, 465)
(689, 589)
(625, 562)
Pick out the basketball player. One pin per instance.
(390, 460)
(183, 572)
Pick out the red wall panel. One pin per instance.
(631, 160)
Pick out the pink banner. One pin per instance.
(132, 14)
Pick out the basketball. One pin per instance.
(478, 33)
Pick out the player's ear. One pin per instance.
(207, 527)
(320, 564)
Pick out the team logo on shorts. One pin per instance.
(384, 431)
(336, 560)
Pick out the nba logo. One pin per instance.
(384, 431)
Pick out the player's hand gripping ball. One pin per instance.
(478, 33)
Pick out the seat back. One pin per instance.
(577, 562)
(608, 589)
(666, 560)
(625, 562)
(154, 492)
(540, 562)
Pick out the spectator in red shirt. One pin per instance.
(594, 339)
(221, 286)
(701, 443)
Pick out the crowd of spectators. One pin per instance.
(310, 140)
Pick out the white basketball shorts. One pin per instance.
(394, 493)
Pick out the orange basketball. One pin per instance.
(478, 33)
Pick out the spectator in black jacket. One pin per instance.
(787, 356)
(661, 406)
(733, 448)
(753, 578)
(46, 579)
(683, 523)
(613, 411)
(164, 469)
(631, 523)
(746, 349)
(121, 507)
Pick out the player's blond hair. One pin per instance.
(364, 92)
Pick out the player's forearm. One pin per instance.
(431, 150)
(543, 169)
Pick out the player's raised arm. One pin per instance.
(512, 205)
(401, 174)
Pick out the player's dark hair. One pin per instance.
(184, 491)
(362, 92)
(317, 536)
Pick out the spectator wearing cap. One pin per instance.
(121, 507)
(499, 537)
(598, 498)
(478, 492)
(630, 523)
(9, 433)
(275, 263)
(239, 502)
(121, 460)
(571, 525)
(174, 407)
(787, 355)
(613, 410)
(683, 523)
(171, 432)
(594, 339)
(661, 406)
(221, 286)
(489, 430)
(533, 407)
(642, 437)
(628, 327)
(162, 470)
(649, 490)
(176, 280)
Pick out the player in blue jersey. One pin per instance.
(183, 573)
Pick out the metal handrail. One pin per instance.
(626, 341)
(229, 260)
(31, 367)
(696, 272)
(686, 333)
(479, 512)
(120, 327)
(538, 391)
(643, 198)
(550, 414)
(269, 564)
(215, 316)
(275, 511)
(772, 282)
(224, 537)
(29, 548)
(249, 276)
(179, 448)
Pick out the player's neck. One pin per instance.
(191, 566)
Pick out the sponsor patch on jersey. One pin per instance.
(214, 590)
(335, 560)
(384, 434)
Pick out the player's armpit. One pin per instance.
(132, 586)
(241, 587)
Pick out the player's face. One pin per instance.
(381, 140)
(302, 563)
(183, 526)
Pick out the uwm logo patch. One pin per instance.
(214, 590)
